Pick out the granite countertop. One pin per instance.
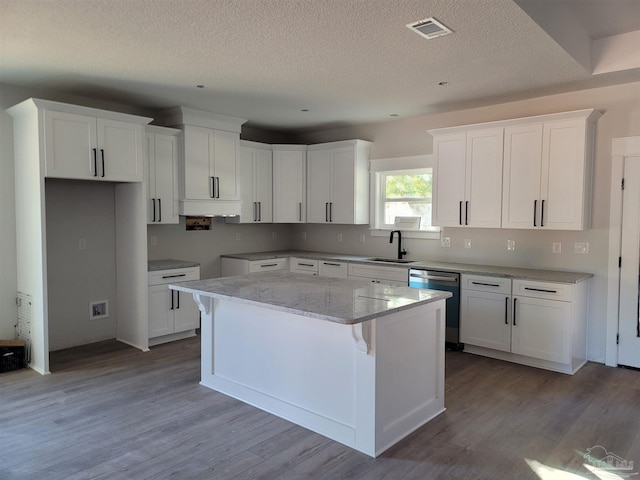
(169, 264)
(472, 269)
(336, 300)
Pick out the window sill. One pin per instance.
(424, 235)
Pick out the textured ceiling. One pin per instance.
(346, 61)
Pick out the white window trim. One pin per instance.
(390, 165)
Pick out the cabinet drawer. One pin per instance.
(555, 291)
(174, 275)
(486, 284)
(333, 269)
(266, 265)
(397, 274)
(303, 265)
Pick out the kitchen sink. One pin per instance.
(390, 260)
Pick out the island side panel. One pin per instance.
(299, 368)
(409, 371)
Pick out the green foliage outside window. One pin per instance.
(408, 186)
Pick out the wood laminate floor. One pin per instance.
(110, 411)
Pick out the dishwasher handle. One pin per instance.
(440, 278)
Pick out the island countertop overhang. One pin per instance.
(336, 300)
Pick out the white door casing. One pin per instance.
(622, 150)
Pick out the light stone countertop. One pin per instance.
(540, 275)
(336, 300)
(169, 264)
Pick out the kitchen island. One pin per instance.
(360, 363)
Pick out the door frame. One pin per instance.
(620, 148)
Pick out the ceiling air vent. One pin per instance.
(429, 28)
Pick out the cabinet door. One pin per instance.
(319, 184)
(563, 175)
(225, 151)
(264, 185)
(161, 317)
(198, 158)
(449, 179)
(343, 186)
(521, 176)
(485, 319)
(246, 184)
(120, 146)
(166, 178)
(289, 186)
(542, 329)
(483, 179)
(186, 311)
(150, 178)
(70, 143)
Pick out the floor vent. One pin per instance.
(429, 28)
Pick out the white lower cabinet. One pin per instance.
(485, 312)
(172, 315)
(395, 276)
(541, 324)
(240, 266)
(332, 269)
(303, 265)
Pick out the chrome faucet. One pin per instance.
(401, 251)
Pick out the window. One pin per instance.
(403, 192)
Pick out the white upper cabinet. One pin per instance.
(532, 172)
(210, 164)
(255, 169)
(289, 183)
(87, 146)
(547, 173)
(161, 174)
(338, 182)
(467, 188)
(208, 173)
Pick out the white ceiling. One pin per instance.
(346, 61)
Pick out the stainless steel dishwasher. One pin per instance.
(450, 282)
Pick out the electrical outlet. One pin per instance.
(153, 240)
(339, 237)
(557, 247)
(82, 243)
(362, 238)
(274, 236)
(511, 245)
(446, 242)
(304, 235)
(238, 236)
(467, 243)
(581, 247)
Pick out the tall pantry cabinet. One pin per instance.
(57, 140)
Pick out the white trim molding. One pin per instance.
(620, 148)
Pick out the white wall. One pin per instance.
(620, 106)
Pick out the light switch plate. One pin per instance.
(339, 237)
(557, 247)
(511, 245)
(467, 243)
(446, 242)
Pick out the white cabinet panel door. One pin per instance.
(485, 319)
(449, 179)
(71, 144)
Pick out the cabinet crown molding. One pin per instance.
(590, 115)
(34, 104)
(190, 116)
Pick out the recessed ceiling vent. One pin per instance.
(429, 28)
